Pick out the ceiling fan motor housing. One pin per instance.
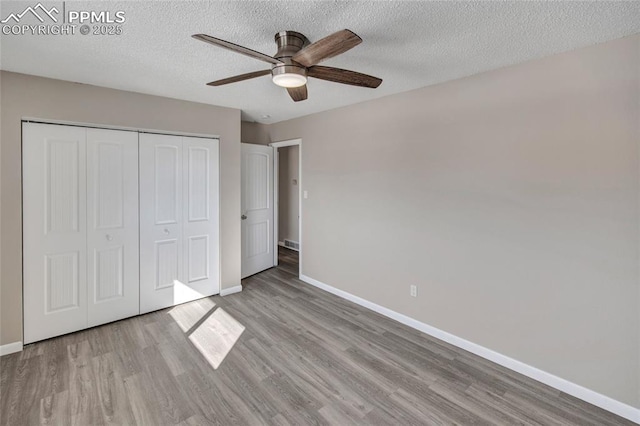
(289, 67)
(289, 43)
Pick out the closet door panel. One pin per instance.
(161, 241)
(112, 225)
(201, 221)
(54, 231)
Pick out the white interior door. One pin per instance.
(112, 225)
(257, 209)
(179, 223)
(55, 231)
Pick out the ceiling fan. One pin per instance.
(297, 59)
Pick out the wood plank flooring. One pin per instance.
(281, 352)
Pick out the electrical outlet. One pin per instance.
(413, 291)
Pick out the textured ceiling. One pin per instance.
(408, 44)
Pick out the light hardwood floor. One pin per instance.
(281, 352)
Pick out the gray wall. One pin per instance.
(28, 96)
(256, 133)
(510, 198)
(288, 193)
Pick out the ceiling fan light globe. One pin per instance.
(289, 80)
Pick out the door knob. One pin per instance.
(166, 231)
(109, 237)
(243, 217)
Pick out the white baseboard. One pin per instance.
(588, 395)
(10, 348)
(231, 290)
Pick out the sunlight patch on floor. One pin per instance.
(189, 314)
(216, 336)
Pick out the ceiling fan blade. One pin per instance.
(236, 48)
(240, 77)
(298, 93)
(327, 47)
(339, 75)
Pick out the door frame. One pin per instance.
(27, 119)
(276, 197)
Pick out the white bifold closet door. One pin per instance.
(179, 220)
(112, 225)
(80, 233)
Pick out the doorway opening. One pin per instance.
(287, 159)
